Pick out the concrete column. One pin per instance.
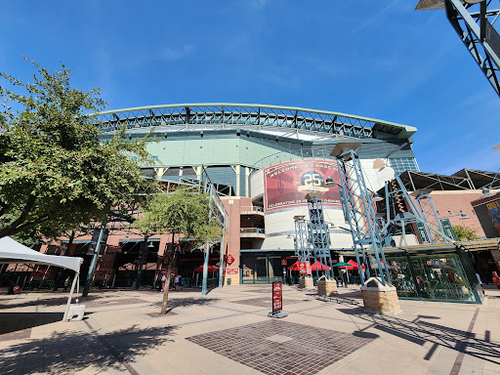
(197, 170)
(236, 170)
(247, 182)
(160, 172)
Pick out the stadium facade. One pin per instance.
(257, 157)
(259, 162)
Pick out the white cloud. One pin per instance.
(172, 54)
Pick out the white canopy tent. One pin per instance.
(12, 251)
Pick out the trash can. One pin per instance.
(229, 281)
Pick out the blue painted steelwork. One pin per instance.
(478, 34)
(360, 213)
(301, 242)
(430, 215)
(199, 116)
(474, 24)
(401, 210)
(320, 237)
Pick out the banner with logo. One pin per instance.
(286, 184)
(488, 213)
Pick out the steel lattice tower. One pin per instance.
(320, 237)
(358, 206)
(301, 243)
(474, 24)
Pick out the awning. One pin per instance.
(12, 251)
(319, 266)
(209, 268)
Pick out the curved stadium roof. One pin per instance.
(216, 116)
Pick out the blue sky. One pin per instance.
(378, 59)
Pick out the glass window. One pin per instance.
(436, 277)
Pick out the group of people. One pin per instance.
(176, 278)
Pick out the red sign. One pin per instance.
(166, 259)
(277, 297)
(305, 268)
(230, 259)
(287, 184)
(283, 262)
(232, 271)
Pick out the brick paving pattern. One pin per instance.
(264, 302)
(277, 347)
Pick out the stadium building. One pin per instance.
(258, 157)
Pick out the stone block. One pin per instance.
(380, 298)
(306, 282)
(326, 286)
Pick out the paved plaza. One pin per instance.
(229, 332)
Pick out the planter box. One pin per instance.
(306, 282)
(380, 298)
(326, 286)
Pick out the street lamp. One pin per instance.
(487, 191)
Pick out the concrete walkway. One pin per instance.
(228, 332)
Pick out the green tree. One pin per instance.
(463, 232)
(185, 212)
(55, 172)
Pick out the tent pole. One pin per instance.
(70, 296)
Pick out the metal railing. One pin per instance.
(253, 230)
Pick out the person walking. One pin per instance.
(163, 280)
(496, 279)
(176, 281)
(66, 283)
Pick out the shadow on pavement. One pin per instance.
(17, 321)
(70, 352)
(55, 301)
(419, 332)
(186, 302)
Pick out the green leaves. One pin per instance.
(463, 232)
(55, 173)
(184, 211)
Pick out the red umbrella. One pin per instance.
(295, 266)
(209, 268)
(318, 265)
(355, 265)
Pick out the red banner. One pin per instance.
(277, 297)
(287, 184)
(305, 268)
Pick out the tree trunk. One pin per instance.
(171, 253)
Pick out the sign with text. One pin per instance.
(230, 259)
(447, 229)
(422, 232)
(277, 297)
(232, 271)
(305, 268)
(488, 213)
(286, 184)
